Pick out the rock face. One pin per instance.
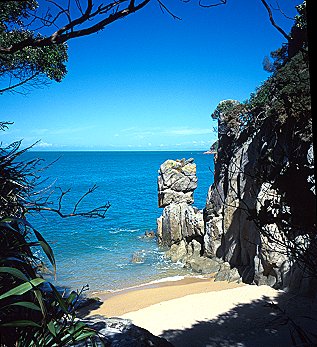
(119, 332)
(181, 226)
(176, 182)
(263, 191)
(259, 223)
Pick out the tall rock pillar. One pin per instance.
(181, 226)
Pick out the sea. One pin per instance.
(100, 253)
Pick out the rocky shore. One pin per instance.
(181, 228)
(241, 234)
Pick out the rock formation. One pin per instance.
(249, 229)
(176, 182)
(181, 224)
(120, 332)
(258, 198)
(260, 214)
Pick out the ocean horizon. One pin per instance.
(112, 253)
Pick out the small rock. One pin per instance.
(149, 234)
(137, 258)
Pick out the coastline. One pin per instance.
(120, 302)
(190, 311)
(200, 312)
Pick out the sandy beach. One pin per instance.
(199, 312)
(129, 300)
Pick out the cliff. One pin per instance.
(260, 215)
(260, 212)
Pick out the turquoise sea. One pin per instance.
(98, 252)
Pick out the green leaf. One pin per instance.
(46, 248)
(85, 334)
(19, 220)
(76, 328)
(14, 272)
(51, 328)
(72, 296)
(7, 220)
(20, 323)
(59, 299)
(23, 288)
(39, 298)
(75, 332)
(26, 304)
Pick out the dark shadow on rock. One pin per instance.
(257, 324)
(120, 332)
(86, 305)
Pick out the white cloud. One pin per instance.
(43, 145)
(184, 131)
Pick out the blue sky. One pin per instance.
(149, 82)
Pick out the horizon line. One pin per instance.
(124, 150)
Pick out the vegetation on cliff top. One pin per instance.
(279, 110)
(286, 93)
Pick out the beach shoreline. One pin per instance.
(135, 299)
(199, 311)
(122, 301)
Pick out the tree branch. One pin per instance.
(97, 212)
(71, 29)
(21, 83)
(221, 2)
(269, 11)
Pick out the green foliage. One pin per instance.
(30, 314)
(301, 17)
(297, 43)
(32, 311)
(28, 64)
(286, 93)
(279, 57)
(232, 116)
(224, 107)
(11, 12)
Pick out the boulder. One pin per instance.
(119, 332)
(177, 181)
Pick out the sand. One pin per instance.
(183, 313)
(122, 302)
(197, 312)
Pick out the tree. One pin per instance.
(32, 42)
(26, 67)
(33, 36)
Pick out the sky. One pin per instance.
(150, 82)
